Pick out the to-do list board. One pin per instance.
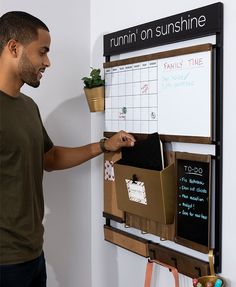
(168, 92)
(193, 200)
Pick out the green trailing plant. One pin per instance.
(94, 80)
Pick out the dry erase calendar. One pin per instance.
(168, 94)
(131, 97)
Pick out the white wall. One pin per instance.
(127, 269)
(67, 118)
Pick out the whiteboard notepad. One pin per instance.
(184, 95)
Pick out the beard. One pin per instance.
(27, 72)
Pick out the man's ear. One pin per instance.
(13, 47)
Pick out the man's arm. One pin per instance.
(64, 157)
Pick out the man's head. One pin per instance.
(24, 44)
(20, 26)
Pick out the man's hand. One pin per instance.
(119, 140)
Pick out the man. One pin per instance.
(26, 149)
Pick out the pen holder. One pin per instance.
(210, 278)
(213, 277)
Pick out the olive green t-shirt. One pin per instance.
(23, 141)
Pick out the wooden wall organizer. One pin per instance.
(185, 264)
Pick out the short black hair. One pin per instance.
(20, 26)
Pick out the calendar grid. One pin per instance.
(131, 97)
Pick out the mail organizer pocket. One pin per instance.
(148, 193)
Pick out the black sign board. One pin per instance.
(193, 200)
(195, 23)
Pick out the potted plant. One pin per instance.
(94, 90)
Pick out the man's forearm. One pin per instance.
(65, 157)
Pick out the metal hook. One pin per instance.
(175, 261)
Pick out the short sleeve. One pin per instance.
(48, 144)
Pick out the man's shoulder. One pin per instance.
(27, 99)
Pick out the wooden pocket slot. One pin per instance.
(126, 240)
